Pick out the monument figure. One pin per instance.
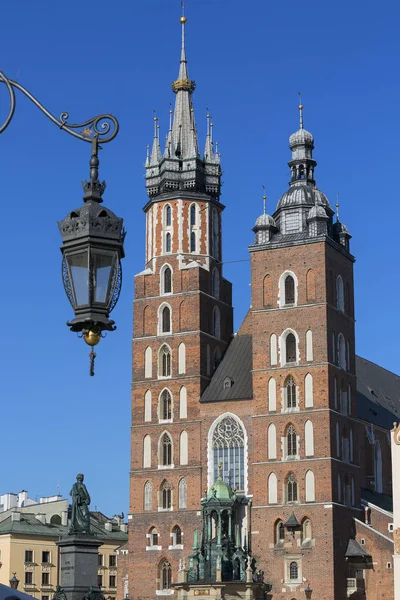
(80, 516)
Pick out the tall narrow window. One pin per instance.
(273, 349)
(167, 281)
(279, 533)
(310, 487)
(291, 441)
(168, 242)
(165, 362)
(267, 291)
(147, 406)
(193, 215)
(166, 450)
(291, 393)
(168, 217)
(166, 320)
(291, 488)
(217, 357)
(309, 438)
(341, 360)
(165, 576)
(339, 293)
(309, 346)
(289, 290)
(181, 359)
(146, 452)
(215, 233)
(148, 363)
(309, 393)
(176, 536)
(272, 395)
(182, 493)
(216, 322)
(148, 492)
(294, 571)
(183, 448)
(290, 348)
(215, 283)
(272, 442)
(153, 537)
(165, 495)
(193, 242)
(272, 489)
(183, 403)
(165, 406)
(310, 285)
(228, 450)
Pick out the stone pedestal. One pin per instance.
(78, 565)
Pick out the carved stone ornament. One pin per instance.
(396, 433)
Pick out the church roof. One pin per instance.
(378, 390)
(355, 550)
(236, 366)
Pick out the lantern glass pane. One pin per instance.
(79, 269)
(102, 272)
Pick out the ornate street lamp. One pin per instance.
(14, 581)
(308, 592)
(92, 235)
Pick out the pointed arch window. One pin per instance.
(290, 348)
(306, 531)
(165, 576)
(176, 536)
(166, 450)
(165, 361)
(165, 495)
(193, 241)
(339, 293)
(279, 533)
(168, 216)
(216, 322)
(168, 242)
(182, 494)
(148, 493)
(166, 320)
(291, 392)
(289, 290)
(228, 444)
(165, 406)
(291, 442)
(166, 281)
(291, 488)
(215, 283)
(153, 537)
(193, 215)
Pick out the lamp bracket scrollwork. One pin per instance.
(104, 127)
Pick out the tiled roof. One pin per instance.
(384, 501)
(235, 366)
(378, 394)
(355, 550)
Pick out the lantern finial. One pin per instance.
(94, 189)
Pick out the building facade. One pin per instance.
(277, 407)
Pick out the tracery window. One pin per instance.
(291, 486)
(294, 571)
(290, 348)
(166, 496)
(228, 450)
(291, 397)
(193, 242)
(166, 320)
(168, 216)
(166, 450)
(291, 440)
(148, 495)
(165, 362)
(166, 406)
(167, 242)
(167, 281)
(289, 290)
(193, 215)
(165, 576)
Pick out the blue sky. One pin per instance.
(249, 61)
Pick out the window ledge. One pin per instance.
(161, 467)
(176, 547)
(164, 592)
(162, 421)
(165, 377)
(290, 458)
(150, 548)
(160, 509)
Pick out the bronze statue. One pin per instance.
(80, 517)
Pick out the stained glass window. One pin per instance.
(228, 451)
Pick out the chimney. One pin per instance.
(41, 517)
(108, 526)
(15, 516)
(64, 518)
(22, 498)
(124, 527)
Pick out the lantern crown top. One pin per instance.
(94, 189)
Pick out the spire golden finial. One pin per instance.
(301, 111)
(264, 200)
(183, 18)
(155, 119)
(220, 469)
(337, 208)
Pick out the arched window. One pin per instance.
(147, 321)
(153, 537)
(289, 290)
(182, 493)
(168, 242)
(166, 320)
(279, 533)
(228, 447)
(273, 350)
(290, 392)
(181, 359)
(165, 495)
(176, 535)
(272, 395)
(267, 291)
(291, 488)
(271, 441)
(146, 451)
(310, 285)
(215, 283)
(215, 233)
(148, 496)
(148, 363)
(183, 403)
(309, 346)
(166, 450)
(310, 487)
(167, 216)
(55, 520)
(309, 438)
(291, 441)
(193, 215)
(290, 348)
(147, 406)
(339, 293)
(216, 330)
(294, 571)
(193, 241)
(165, 576)
(183, 448)
(165, 411)
(272, 489)
(166, 280)
(378, 467)
(341, 350)
(309, 392)
(165, 361)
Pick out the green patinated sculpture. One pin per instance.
(80, 517)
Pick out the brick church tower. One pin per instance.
(271, 409)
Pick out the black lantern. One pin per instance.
(14, 581)
(308, 592)
(92, 249)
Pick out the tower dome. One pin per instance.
(301, 137)
(265, 226)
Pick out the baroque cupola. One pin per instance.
(264, 227)
(180, 165)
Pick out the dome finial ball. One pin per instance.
(183, 19)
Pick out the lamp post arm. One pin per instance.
(105, 127)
